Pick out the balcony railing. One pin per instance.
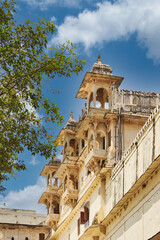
(52, 220)
(70, 196)
(52, 188)
(99, 154)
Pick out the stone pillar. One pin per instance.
(94, 96)
(94, 140)
(47, 179)
(51, 207)
(68, 179)
(50, 178)
(47, 209)
(56, 182)
(105, 142)
(67, 146)
(88, 144)
(88, 103)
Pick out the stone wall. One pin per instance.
(22, 224)
(134, 101)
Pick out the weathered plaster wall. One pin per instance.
(20, 224)
(141, 222)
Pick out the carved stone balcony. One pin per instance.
(69, 161)
(95, 159)
(52, 189)
(52, 220)
(70, 196)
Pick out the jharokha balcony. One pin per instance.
(70, 196)
(95, 159)
(52, 188)
(52, 220)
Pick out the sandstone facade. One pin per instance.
(108, 185)
(18, 224)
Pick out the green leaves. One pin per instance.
(24, 60)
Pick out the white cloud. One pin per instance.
(45, 4)
(26, 198)
(31, 109)
(34, 161)
(115, 21)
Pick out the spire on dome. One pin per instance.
(71, 115)
(71, 124)
(99, 59)
(54, 161)
(100, 68)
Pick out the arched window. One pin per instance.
(101, 140)
(83, 143)
(102, 97)
(48, 179)
(26, 238)
(56, 207)
(77, 149)
(41, 236)
(104, 144)
(12, 238)
(106, 105)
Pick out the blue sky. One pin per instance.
(126, 35)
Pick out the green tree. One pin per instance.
(25, 64)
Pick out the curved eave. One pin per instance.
(44, 196)
(60, 173)
(82, 92)
(47, 168)
(61, 135)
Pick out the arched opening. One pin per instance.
(90, 143)
(48, 179)
(26, 238)
(55, 207)
(135, 100)
(106, 105)
(55, 180)
(102, 97)
(83, 143)
(73, 182)
(72, 147)
(77, 150)
(101, 139)
(103, 163)
(41, 236)
(98, 103)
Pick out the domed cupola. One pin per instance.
(100, 68)
(54, 161)
(71, 124)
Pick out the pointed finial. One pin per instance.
(99, 59)
(71, 115)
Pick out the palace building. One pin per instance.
(17, 224)
(107, 186)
